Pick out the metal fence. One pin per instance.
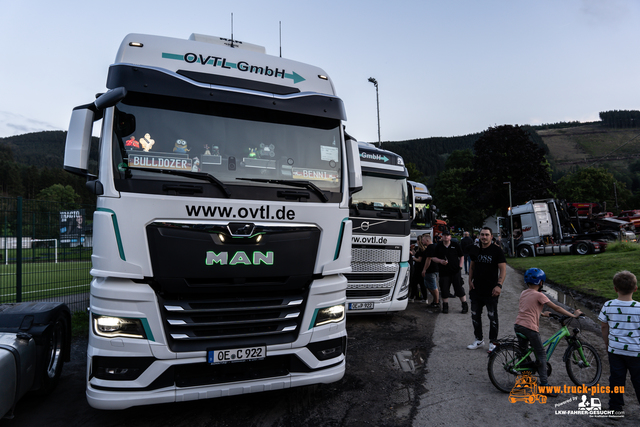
(45, 252)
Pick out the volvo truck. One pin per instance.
(381, 215)
(222, 231)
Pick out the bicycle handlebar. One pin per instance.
(561, 318)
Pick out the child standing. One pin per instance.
(621, 334)
(532, 301)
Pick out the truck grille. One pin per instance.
(374, 272)
(369, 277)
(206, 322)
(375, 255)
(367, 293)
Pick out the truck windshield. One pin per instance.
(423, 217)
(236, 144)
(382, 194)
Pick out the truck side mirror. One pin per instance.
(78, 143)
(411, 199)
(353, 163)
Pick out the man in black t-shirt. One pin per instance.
(449, 255)
(486, 276)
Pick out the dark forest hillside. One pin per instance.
(34, 161)
(39, 149)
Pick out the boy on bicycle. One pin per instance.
(621, 334)
(532, 301)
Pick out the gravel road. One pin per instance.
(458, 389)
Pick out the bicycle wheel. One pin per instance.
(500, 367)
(585, 371)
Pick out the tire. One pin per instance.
(500, 362)
(578, 372)
(525, 251)
(54, 355)
(582, 248)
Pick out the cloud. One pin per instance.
(15, 124)
(605, 13)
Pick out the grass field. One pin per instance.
(587, 274)
(44, 280)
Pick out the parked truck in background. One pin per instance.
(381, 215)
(544, 227)
(35, 341)
(222, 231)
(424, 216)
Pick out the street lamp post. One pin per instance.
(375, 83)
(511, 247)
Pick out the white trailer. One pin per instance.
(381, 216)
(222, 231)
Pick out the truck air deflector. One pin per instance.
(340, 236)
(234, 82)
(154, 81)
(116, 230)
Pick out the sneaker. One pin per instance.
(445, 307)
(476, 344)
(492, 347)
(465, 308)
(434, 305)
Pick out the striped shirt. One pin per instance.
(623, 318)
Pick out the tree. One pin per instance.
(66, 195)
(414, 173)
(460, 159)
(593, 185)
(454, 202)
(507, 154)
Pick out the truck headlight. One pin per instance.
(111, 327)
(333, 314)
(405, 283)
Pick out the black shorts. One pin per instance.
(454, 279)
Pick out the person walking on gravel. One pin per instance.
(449, 255)
(487, 273)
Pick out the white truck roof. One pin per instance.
(376, 158)
(212, 55)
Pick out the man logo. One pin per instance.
(240, 257)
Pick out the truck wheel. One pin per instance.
(582, 248)
(54, 355)
(525, 252)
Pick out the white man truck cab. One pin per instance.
(381, 216)
(222, 229)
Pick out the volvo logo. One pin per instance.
(364, 226)
(243, 229)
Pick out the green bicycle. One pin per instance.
(508, 360)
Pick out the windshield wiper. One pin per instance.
(303, 184)
(203, 176)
